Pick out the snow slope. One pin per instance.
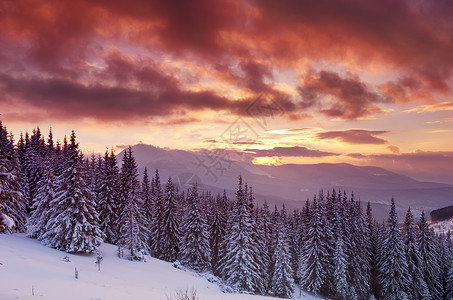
(27, 266)
(442, 226)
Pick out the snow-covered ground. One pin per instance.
(443, 226)
(28, 267)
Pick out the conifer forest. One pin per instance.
(331, 245)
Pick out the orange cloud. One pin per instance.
(443, 106)
(354, 136)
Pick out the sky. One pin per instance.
(361, 82)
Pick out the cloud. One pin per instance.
(356, 155)
(210, 141)
(248, 143)
(179, 121)
(409, 37)
(443, 106)
(290, 130)
(66, 99)
(354, 136)
(337, 97)
(295, 151)
(406, 90)
(182, 28)
(447, 120)
(242, 45)
(394, 149)
(255, 74)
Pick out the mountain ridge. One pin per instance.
(292, 184)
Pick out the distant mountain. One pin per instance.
(442, 214)
(292, 184)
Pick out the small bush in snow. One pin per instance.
(184, 294)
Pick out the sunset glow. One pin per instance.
(360, 82)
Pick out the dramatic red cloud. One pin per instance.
(354, 136)
(412, 35)
(57, 56)
(352, 98)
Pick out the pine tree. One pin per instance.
(445, 253)
(303, 236)
(170, 237)
(294, 241)
(358, 251)
(237, 265)
(313, 255)
(108, 198)
(428, 251)
(21, 150)
(94, 167)
(195, 252)
(12, 202)
(418, 288)
(450, 282)
(282, 278)
(146, 199)
(372, 238)
(341, 270)
(34, 153)
(46, 194)
(156, 228)
(73, 220)
(326, 205)
(217, 230)
(261, 255)
(393, 266)
(267, 236)
(133, 229)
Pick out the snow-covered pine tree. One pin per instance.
(357, 251)
(147, 202)
(428, 251)
(313, 253)
(372, 239)
(450, 284)
(261, 256)
(21, 150)
(332, 213)
(195, 251)
(46, 194)
(445, 252)
(237, 265)
(217, 230)
(73, 220)
(329, 240)
(109, 198)
(170, 235)
(156, 229)
(393, 265)
(340, 273)
(94, 176)
(133, 230)
(49, 146)
(418, 288)
(294, 239)
(12, 202)
(281, 282)
(34, 153)
(267, 235)
(381, 232)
